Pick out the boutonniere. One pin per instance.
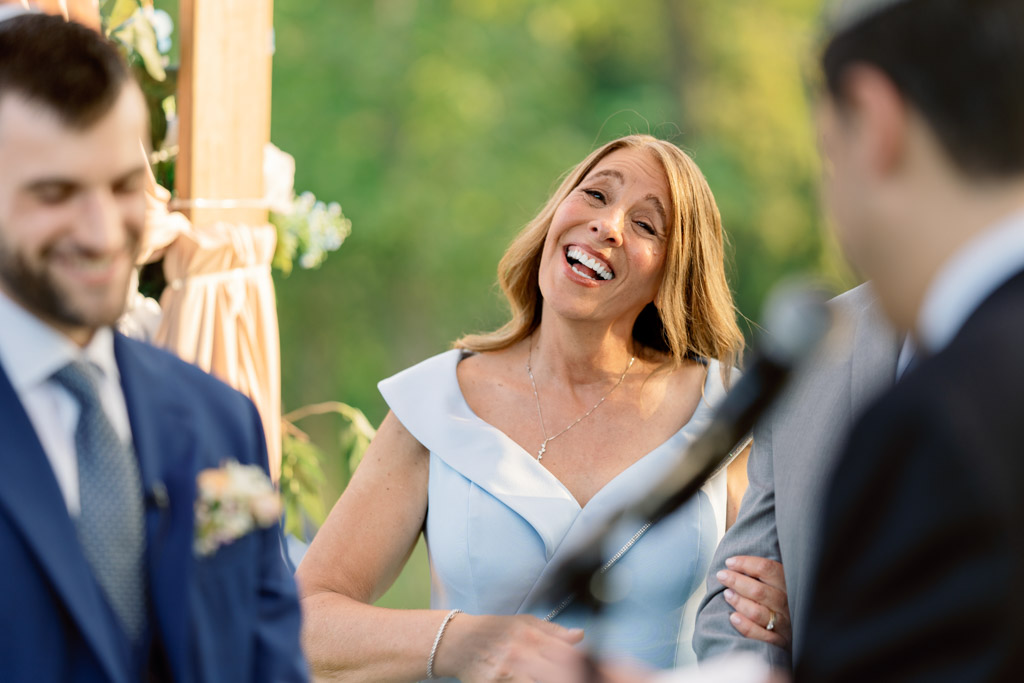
(231, 501)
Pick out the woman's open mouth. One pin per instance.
(587, 266)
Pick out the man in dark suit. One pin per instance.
(922, 551)
(107, 576)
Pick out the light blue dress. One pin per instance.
(499, 523)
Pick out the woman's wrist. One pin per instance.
(431, 672)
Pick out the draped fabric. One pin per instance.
(220, 314)
(162, 226)
(219, 308)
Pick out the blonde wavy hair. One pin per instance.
(693, 313)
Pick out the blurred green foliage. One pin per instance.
(302, 476)
(307, 232)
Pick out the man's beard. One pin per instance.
(45, 297)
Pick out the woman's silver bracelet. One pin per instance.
(437, 641)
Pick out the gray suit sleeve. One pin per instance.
(753, 533)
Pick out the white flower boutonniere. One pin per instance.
(231, 501)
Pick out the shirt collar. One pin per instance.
(906, 356)
(31, 350)
(967, 279)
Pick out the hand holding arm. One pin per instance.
(753, 534)
(756, 589)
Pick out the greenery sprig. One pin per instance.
(308, 233)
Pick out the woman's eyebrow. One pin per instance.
(653, 199)
(611, 173)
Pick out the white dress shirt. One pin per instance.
(967, 279)
(30, 352)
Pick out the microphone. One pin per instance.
(797, 319)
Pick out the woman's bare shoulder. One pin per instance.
(490, 380)
(675, 391)
(488, 366)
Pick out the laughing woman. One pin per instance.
(510, 450)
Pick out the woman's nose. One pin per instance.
(609, 228)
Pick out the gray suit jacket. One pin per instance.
(795, 449)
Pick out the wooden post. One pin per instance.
(223, 105)
(224, 125)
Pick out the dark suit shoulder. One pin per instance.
(922, 543)
(962, 404)
(916, 553)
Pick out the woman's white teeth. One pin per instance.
(577, 254)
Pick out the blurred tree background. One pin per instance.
(441, 127)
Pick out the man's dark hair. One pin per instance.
(959, 63)
(65, 66)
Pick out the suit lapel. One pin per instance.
(32, 498)
(873, 364)
(164, 443)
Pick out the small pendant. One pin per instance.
(540, 453)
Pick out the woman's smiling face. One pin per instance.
(604, 254)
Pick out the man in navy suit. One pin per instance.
(102, 438)
(922, 551)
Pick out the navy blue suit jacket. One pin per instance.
(922, 558)
(230, 616)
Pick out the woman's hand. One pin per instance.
(481, 649)
(756, 589)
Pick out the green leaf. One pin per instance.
(299, 485)
(145, 45)
(158, 91)
(113, 13)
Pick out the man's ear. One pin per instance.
(880, 116)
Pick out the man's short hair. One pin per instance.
(65, 66)
(959, 63)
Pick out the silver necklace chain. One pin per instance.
(540, 416)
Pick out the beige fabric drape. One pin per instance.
(219, 312)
